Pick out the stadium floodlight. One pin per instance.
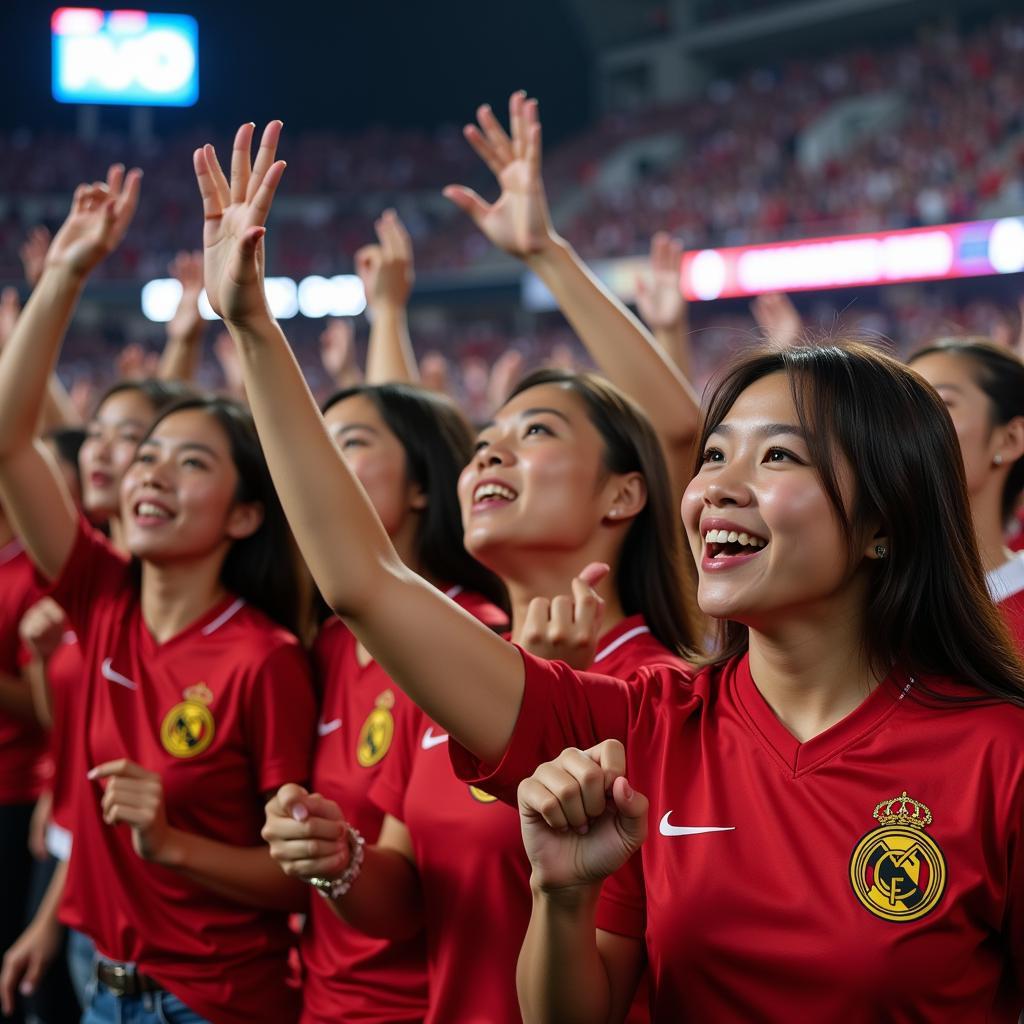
(124, 57)
(337, 296)
(341, 295)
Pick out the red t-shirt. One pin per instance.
(470, 856)
(350, 976)
(24, 767)
(803, 903)
(1006, 587)
(224, 711)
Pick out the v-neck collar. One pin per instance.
(207, 623)
(800, 758)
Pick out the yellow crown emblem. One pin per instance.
(200, 693)
(385, 700)
(903, 810)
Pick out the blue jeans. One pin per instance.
(149, 1008)
(81, 964)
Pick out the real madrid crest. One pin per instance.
(480, 796)
(188, 727)
(897, 870)
(377, 732)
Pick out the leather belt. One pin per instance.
(124, 980)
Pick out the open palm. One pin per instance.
(518, 221)
(235, 214)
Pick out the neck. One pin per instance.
(812, 671)
(6, 533)
(176, 595)
(117, 534)
(987, 513)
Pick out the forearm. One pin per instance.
(181, 356)
(58, 409)
(241, 873)
(46, 914)
(624, 350)
(34, 673)
(390, 358)
(30, 356)
(385, 900)
(560, 976)
(16, 698)
(463, 675)
(674, 341)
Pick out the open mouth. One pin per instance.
(150, 511)
(493, 493)
(730, 543)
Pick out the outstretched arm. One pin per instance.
(31, 489)
(518, 222)
(661, 303)
(387, 276)
(464, 676)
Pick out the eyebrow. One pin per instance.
(531, 412)
(117, 424)
(196, 445)
(765, 430)
(949, 387)
(346, 427)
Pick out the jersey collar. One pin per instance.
(1007, 580)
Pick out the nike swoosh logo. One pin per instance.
(107, 671)
(326, 728)
(430, 740)
(689, 830)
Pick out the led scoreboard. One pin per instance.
(124, 57)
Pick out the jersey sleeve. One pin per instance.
(561, 708)
(621, 907)
(93, 575)
(1013, 926)
(388, 789)
(280, 719)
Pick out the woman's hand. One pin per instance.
(306, 834)
(235, 215)
(42, 628)
(33, 254)
(659, 298)
(567, 628)
(134, 796)
(100, 216)
(518, 221)
(27, 961)
(386, 269)
(581, 820)
(187, 269)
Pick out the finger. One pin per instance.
(611, 756)
(281, 828)
(115, 178)
(241, 170)
(320, 807)
(122, 766)
(297, 850)
(590, 777)
(534, 139)
(594, 572)
(517, 124)
(123, 814)
(213, 207)
(467, 201)
(498, 139)
(483, 149)
(290, 794)
(535, 625)
(324, 867)
(245, 264)
(127, 202)
(632, 810)
(536, 800)
(588, 610)
(560, 629)
(566, 790)
(402, 239)
(264, 197)
(217, 174)
(9, 977)
(265, 157)
(78, 200)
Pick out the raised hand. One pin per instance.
(386, 269)
(659, 299)
(778, 318)
(567, 628)
(580, 818)
(187, 268)
(338, 352)
(100, 216)
(42, 628)
(135, 363)
(505, 372)
(306, 834)
(518, 221)
(134, 796)
(33, 254)
(235, 215)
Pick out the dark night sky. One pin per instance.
(341, 65)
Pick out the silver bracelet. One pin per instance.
(334, 888)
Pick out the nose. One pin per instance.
(493, 455)
(727, 488)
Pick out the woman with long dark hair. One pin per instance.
(196, 689)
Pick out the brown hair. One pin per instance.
(929, 611)
(650, 571)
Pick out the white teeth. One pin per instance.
(147, 508)
(732, 537)
(494, 491)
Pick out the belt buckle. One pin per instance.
(117, 977)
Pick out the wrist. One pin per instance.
(553, 250)
(337, 887)
(63, 275)
(250, 326)
(579, 898)
(172, 851)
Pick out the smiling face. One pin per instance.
(109, 447)
(537, 480)
(376, 456)
(764, 534)
(178, 498)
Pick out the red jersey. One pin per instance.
(872, 874)
(23, 763)
(476, 894)
(1006, 587)
(350, 976)
(224, 711)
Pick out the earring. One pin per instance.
(613, 513)
(998, 458)
(881, 551)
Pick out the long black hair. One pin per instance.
(650, 573)
(263, 568)
(438, 442)
(928, 610)
(159, 393)
(1000, 375)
